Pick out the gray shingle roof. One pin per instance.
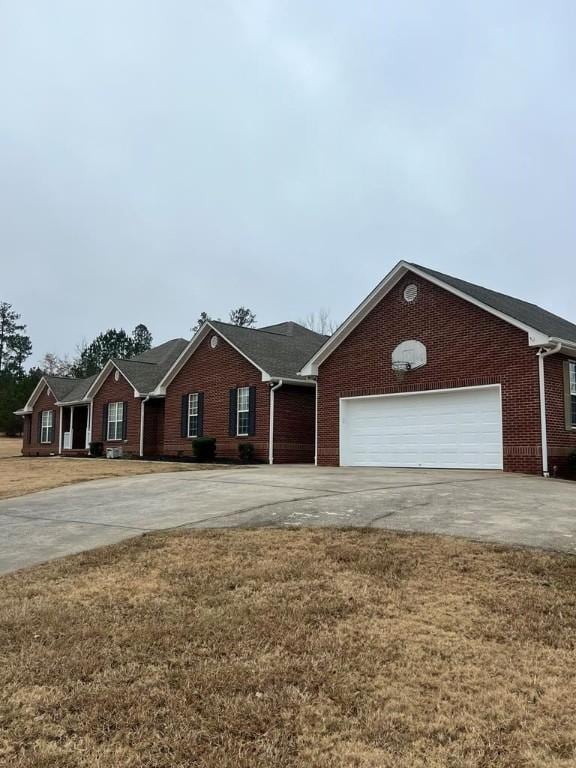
(68, 390)
(280, 350)
(147, 370)
(144, 371)
(529, 314)
(81, 386)
(163, 352)
(60, 385)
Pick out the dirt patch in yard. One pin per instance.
(22, 475)
(290, 649)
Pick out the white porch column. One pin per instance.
(61, 419)
(88, 427)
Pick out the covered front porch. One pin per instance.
(76, 429)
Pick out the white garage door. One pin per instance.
(454, 429)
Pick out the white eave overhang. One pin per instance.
(535, 338)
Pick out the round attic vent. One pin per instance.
(214, 341)
(116, 375)
(410, 293)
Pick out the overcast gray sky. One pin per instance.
(162, 158)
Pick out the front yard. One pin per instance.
(20, 475)
(10, 446)
(290, 649)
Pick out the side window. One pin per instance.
(243, 411)
(193, 415)
(115, 421)
(47, 427)
(572, 392)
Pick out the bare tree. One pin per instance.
(53, 365)
(320, 321)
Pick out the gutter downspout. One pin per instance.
(271, 435)
(542, 353)
(142, 406)
(316, 421)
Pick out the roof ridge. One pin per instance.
(131, 360)
(261, 330)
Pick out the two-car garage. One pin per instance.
(451, 429)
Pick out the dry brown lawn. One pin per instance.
(10, 446)
(290, 649)
(21, 475)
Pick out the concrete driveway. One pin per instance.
(481, 505)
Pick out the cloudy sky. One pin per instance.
(162, 158)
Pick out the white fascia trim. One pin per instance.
(535, 338)
(424, 392)
(311, 367)
(188, 351)
(300, 382)
(64, 403)
(29, 407)
(101, 378)
(178, 364)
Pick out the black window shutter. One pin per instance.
(105, 422)
(252, 414)
(232, 413)
(40, 427)
(53, 427)
(124, 421)
(200, 414)
(184, 417)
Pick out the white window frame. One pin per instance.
(46, 428)
(572, 391)
(193, 402)
(242, 398)
(115, 420)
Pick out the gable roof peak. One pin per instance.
(542, 326)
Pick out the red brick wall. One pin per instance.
(561, 441)
(117, 391)
(466, 346)
(215, 372)
(294, 414)
(45, 402)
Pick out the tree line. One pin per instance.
(17, 383)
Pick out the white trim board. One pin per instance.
(29, 407)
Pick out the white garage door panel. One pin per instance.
(457, 429)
